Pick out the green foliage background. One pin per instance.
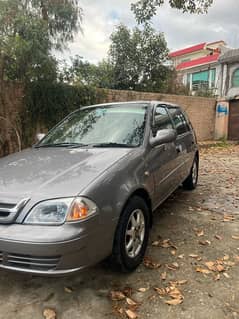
(48, 103)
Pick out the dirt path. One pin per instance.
(203, 227)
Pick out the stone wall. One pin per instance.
(201, 111)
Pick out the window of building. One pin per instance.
(200, 80)
(235, 78)
(213, 77)
(204, 80)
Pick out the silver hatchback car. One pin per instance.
(87, 190)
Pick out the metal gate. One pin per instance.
(233, 125)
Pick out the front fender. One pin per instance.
(114, 187)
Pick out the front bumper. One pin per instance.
(39, 250)
(45, 259)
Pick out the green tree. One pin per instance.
(85, 73)
(139, 59)
(29, 30)
(63, 17)
(144, 10)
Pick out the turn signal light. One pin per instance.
(81, 209)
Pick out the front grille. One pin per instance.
(4, 214)
(5, 209)
(29, 261)
(10, 211)
(7, 206)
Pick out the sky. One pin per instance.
(181, 30)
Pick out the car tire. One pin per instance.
(131, 236)
(190, 182)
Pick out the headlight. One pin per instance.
(57, 211)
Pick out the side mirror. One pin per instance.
(40, 136)
(163, 136)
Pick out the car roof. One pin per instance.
(152, 103)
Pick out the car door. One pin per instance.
(161, 159)
(183, 142)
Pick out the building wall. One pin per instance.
(222, 118)
(189, 56)
(232, 91)
(201, 111)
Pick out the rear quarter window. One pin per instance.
(179, 120)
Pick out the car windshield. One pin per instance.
(109, 125)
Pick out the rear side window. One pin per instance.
(161, 118)
(179, 120)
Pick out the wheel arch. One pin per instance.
(141, 192)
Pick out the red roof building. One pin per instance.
(198, 65)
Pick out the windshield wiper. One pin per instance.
(111, 144)
(60, 145)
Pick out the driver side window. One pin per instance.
(161, 119)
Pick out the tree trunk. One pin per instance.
(44, 11)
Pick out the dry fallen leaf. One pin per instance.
(226, 275)
(218, 237)
(211, 265)
(226, 257)
(220, 268)
(127, 291)
(199, 233)
(236, 258)
(68, 289)
(149, 263)
(175, 293)
(166, 243)
(143, 289)
(131, 302)
(181, 256)
(204, 242)
(131, 314)
(235, 237)
(118, 310)
(229, 263)
(117, 295)
(195, 257)
(228, 218)
(173, 266)
(162, 291)
(215, 265)
(156, 243)
(49, 313)
(202, 270)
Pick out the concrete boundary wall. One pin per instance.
(201, 111)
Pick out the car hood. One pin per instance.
(53, 172)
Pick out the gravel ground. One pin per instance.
(193, 262)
